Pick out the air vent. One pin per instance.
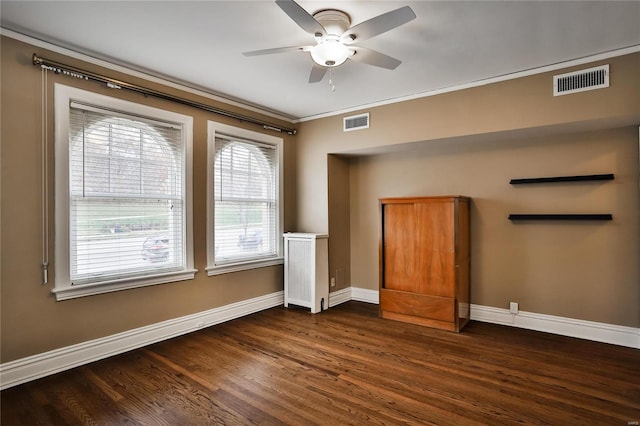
(581, 81)
(356, 122)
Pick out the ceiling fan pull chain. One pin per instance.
(333, 87)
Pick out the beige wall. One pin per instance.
(32, 321)
(339, 221)
(523, 106)
(492, 128)
(501, 118)
(583, 270)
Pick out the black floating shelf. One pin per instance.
(580, 178)
(529, 216)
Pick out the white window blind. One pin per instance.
(127, 200)
(245, 182)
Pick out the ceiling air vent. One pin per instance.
(580, 81)
(356, 122)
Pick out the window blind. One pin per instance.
(245, 200)
(127, 196)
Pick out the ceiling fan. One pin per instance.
(336, 38)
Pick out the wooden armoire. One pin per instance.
(424, 255)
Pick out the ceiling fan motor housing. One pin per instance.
(329, 51)
(335, 22)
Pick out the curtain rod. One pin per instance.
(70, 71)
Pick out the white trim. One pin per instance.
(570, 327)
(512, 76)
(135, 73)
(63, 96)
(353, 293)
(34, 367)
(365, 295)
(215, 129)
(340, 296)
(73, 292)
(533, 71)
(589, 330)
(236, 267)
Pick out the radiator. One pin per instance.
(306, 271)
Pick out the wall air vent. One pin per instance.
(581, 81)
(356, 122)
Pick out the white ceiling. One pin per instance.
(450, 43)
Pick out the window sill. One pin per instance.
(243, 266)
(73, 292)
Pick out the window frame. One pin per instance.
(63, 288)
(215, 130)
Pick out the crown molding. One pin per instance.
(505, 77)
(139, 74)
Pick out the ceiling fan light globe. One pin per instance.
(330, 53)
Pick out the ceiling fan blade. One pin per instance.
(378, 25)
(301, 17)
(276, 50)
(377, 59)
(317, 73)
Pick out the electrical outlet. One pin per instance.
(513, 307)
(333, 281)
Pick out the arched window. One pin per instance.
(244, 182)
(245, 197)
(126, 185)
(126, 197)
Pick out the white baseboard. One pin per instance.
(353, 293)
(589, 330)
(340, 296)
(365, 295)
(34, 367)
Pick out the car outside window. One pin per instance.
(244, 199)
(123, 194)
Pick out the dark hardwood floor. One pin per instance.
(342, 366)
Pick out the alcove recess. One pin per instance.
(557, 179)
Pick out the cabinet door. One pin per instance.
(435, 231)
(399, 247)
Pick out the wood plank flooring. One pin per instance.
(342, 366)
